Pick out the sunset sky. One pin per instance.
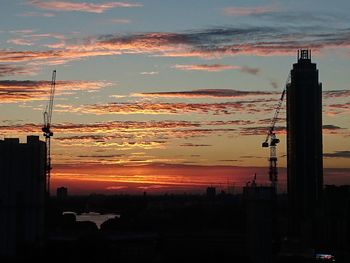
(169, 96)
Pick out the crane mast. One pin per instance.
(47, 130)
(272, 141)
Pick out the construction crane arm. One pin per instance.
(52, 94)
(275, 117)
(49, 107)
(47, 131)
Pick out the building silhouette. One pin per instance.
(62, 193)
(304, 140)
(259, 205)
(22, 195)
(211, 192)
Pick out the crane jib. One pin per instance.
(47, 130)
(271, 140)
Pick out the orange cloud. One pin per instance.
(336, 94)
(126, 135)
(118, 128)
(225, 108)
(262, 130)
(338, 108)
(110, 141)
(12, 91)
(51, 57)
(80, 7)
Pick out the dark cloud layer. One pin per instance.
(194, 145)
(29, 90)
(331, 127)
(338, 154)
(11, 70)
(209, 43)
(336, 93)
(203, 93)
(217, 68)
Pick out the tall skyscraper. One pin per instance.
(22, 195)
(304, 137)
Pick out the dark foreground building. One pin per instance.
(62, 193)
(22, 195)
(304, 140)
(259, 204)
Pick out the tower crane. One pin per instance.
(47, 130)
(272, 141)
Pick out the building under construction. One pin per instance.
(304, 140)
(22, 195)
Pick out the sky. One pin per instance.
(169, 96)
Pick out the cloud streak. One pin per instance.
(338, 154)
(33, 14)
(129, 134)
(225, 108)
(204, 93)
(10, 70)
(206, 43)
(331, 127)
(12, 91)
(216, 68)
(194, 145)
(119, 21)
(52, 57)
(146, 135)
(111, 127)
(80, 7)
(262, 130)
(336, 94)
(149, 73)
(109, 141)
(20, 42)
(246, 11)
(338, 108)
